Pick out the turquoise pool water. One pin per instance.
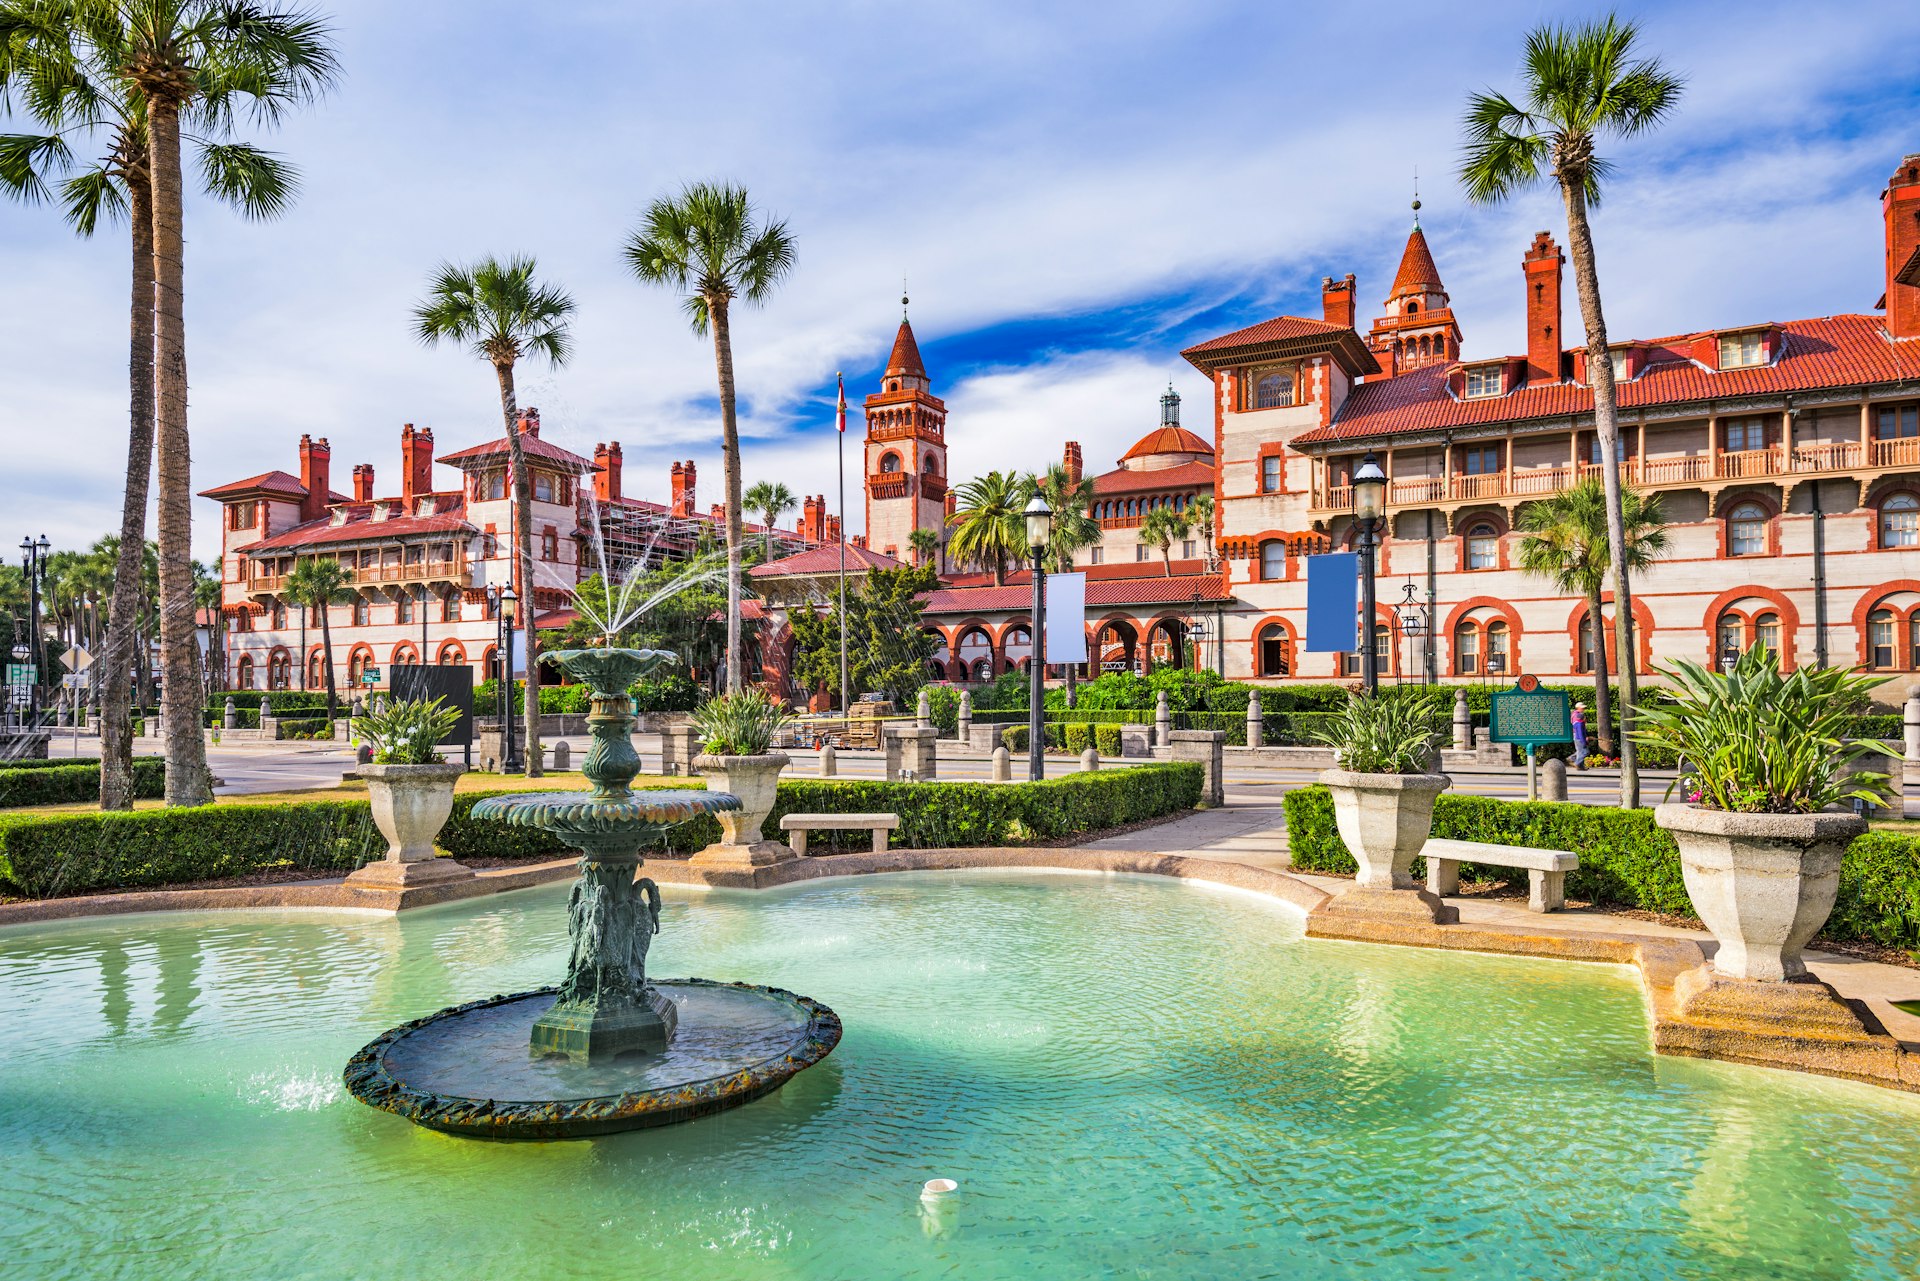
(1128, 1077)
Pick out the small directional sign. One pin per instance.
(370, 677)
(77, 659)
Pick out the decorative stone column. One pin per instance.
(923, 709)
(1209, 748)
(963, 726)
(1462, 724)
(1254, 718)
(1162, 720)
(1913, 730)
(829, 763)
(1002, 765)
(911, 747)
(230, 718)
(679, 744)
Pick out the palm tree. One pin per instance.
(316, 583)
(1580, 84)
(706, 244)
(503, 314)
(183, 56)
(1564, 541)
(69, 69)
(770, 500)
(1163, 527)
(1201, 509)
(987, 522)
(924, 544)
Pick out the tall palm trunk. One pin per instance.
(523, 562)
(326, 655)
(1602, 693)
(1606, 423)
(181, 702)
(730, 456)
(117, 660)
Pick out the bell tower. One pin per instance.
(906, 452)
(1419, 328)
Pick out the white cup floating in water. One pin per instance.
(934, 1189)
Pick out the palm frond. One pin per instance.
(89, 196)
(258, 183)
(25, 162)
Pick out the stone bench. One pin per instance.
(798, 825)
(1546, 869)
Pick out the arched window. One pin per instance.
(1276, 657)
(243, 673)
(1900, 521)
(1498, 647)
(932, 467)
(1880, 625)
(1273, 391)
(889, 463)
(1273, 561)
(1729, 637)
(1412, 307)
(1466, 649)
(280, 670)
(1747, 530)
(452, 656)
(1766, 634)
(1586, 646)
(357, 666)
(1483, 546)
(1913, 642)
(1382, 654)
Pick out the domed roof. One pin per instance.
(1167, 440)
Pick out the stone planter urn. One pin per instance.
(1385, 820)
(1763, 883)
(754, 779)
(410, 806)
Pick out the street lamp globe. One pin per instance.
(1039, 518)
(1369, 490)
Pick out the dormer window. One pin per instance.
(1483, 380)
(1621, 366)
(490, 486)
(1739, 351)
(338, 517)
(426, 506)
(542, 487)
(243, 515)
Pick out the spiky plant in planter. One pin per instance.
(1760, 849)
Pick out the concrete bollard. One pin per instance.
(923, 710)
(1090, 760)
(1554, 787)
(1002, 764)
(1913, 728)
(266, 709)
(963, 724)
(230, 717)
(1162, 720)
(562, 755)
(828, 761)
(1462, 724)
(1254, 718)
(1208, 747)
(364, 756)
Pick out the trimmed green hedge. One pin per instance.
(63, 782)
(1625, 858)
(47, 855)
(51, 762)
(306, 728)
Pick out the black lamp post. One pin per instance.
(1039, 519)
(503, 602)
(1369, 502)
(34, 562)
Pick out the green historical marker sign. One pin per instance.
(1529, 715)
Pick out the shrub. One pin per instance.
(670, 691)
(64, 783)
(1385, 734)
(1015, 738)
(46, 855)
(1077, 737)
(50, 762)
(307, 728)
(1107, 739)
(1879, 892)
(943, 705)
(406, 731)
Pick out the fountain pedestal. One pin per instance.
(606, 1007)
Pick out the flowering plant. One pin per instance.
(406, 732)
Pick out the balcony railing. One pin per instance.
(1690, 469)
(421, 571)
(889, 484)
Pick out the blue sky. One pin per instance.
(1073, 191)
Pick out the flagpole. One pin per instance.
(846, 706)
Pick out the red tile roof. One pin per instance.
(825, 559)
(1417, 274)
(1832, 351)
(1101, 594)
(271, 482)
(905, 360)
(1194, 475)
(532, 445)
(1166, 439)
(359, 528)
(1284, 335)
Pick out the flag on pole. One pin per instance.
(841, 381)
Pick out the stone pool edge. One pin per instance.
(1664, 965)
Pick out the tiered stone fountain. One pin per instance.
(606, 1050)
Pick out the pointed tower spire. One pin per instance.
(1419, 328)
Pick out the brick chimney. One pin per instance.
(606, 479)
(363, 483)
(718, 515)
(683, 489)
(813, 525)
(1336, 300)
(1901, 204)
(1071, 460)
(416, 465)
(833, 529)
(1543, 265)
(530, 422)
(316, 466)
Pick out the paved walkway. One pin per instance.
(1253, 831)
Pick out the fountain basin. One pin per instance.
(576, 817)
(467, 1070)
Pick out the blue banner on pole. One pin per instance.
(1333, 603)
